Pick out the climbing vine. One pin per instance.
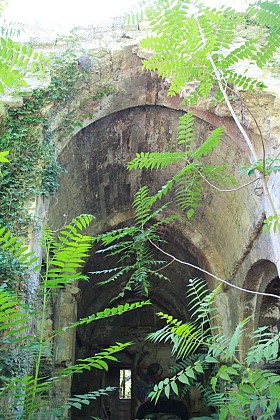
(27, 133)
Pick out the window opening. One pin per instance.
(125, 384)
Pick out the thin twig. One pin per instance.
(232, 189)
(222, 190)
(162, 268)
(213, 275)
(226, 86)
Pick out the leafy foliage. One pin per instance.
(3, 158)
(77, 400)
(196, 49)
(271, 223)
(67, 253)
(131, 245)
(16, 61)
(98, 361)
(65, 256)
(239, 387)
(15, 247)
(266, 13)
(13, 319)
(187, 36)
(35, 170)
(266, 166)
(188, 181)
(108, 312)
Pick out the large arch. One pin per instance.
(138, 116)
(261, 277)
(97, 182)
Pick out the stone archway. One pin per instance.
(269, 313)
(263, 310)
(97, 182)
(169, 298)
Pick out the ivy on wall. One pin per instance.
(28, 134)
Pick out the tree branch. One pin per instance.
(237, 122)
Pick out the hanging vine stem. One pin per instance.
(174, 259)
(230, 190)
(256, 123)
(237, 122)
(226, 86)
(223, 190)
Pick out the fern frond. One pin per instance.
(143, 209)
(241, 52)
(242, 81)
(142, 205)
(116, 248)
(69, 253)
(17, 248)
(235, 338)
(184, 36)
(114, 235)
(266, 347)
(138, 15)
(186, 337)
(121, 271)
(210, 143)
(107, 312)
(98, 361)
(78, 400)
(272, 43)
(201, 303)
(24, 388)
(14, 315)
(217, 175)
(186, 129)
(211, 398)
(154, 160)
(16, 60)
(188, 191)
(185, 377)
(266, 13)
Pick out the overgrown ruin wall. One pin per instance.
(224, 237)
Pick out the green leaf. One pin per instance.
(167, 390)
(198, 367)
(209, 144)
(223, 373)
(189, 372)
(213, 383)
(183, 378)
(174, 388)
(274, 391)
(247, 388)
(77, 405)
(3, 156)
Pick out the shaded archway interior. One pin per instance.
(97, 182)
(262, 277)
(167, 297)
